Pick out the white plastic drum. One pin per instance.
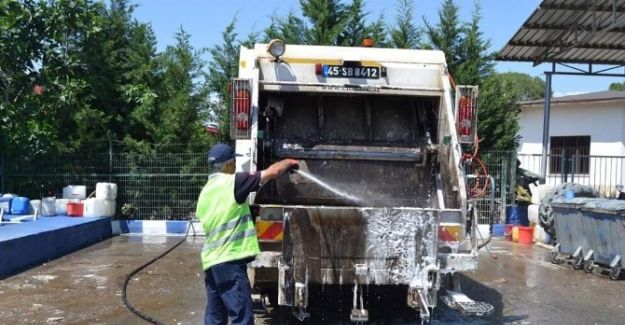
(109, 208)
(94, 208)
(106, 191)
(76, 192)
(61, 207)
(35, 205)
(48, 206)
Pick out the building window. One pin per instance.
(569, 155)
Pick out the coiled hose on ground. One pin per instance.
(128, 305)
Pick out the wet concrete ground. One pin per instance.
(85, 288)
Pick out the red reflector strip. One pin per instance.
(449, 233)
(269, 230)
(318, 69)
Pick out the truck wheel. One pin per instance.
(615, 273)
(588, 265)
(578, 263)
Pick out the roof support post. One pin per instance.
(547, 114)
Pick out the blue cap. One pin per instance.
(220, 153)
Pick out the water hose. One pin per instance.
(128, 305)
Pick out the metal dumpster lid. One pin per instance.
(577, 202)
(605, 206)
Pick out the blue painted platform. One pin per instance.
(17, 218)
(30, 243)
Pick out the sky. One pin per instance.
(206, 19)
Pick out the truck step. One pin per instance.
(467, 306)
(359, 315)
(475, 308)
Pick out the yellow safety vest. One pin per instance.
(230, 231)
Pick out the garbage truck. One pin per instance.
(384, 130)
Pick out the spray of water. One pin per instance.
(327, 186)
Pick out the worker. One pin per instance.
(231, 240)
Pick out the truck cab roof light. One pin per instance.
(276, 48)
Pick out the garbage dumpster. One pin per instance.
(604, 228)
(569, 226)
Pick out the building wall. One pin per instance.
(604, 122)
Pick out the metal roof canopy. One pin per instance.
(566, 32)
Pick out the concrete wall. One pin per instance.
(603, 122)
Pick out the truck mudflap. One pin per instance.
(360, 246)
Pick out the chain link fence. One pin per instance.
(165, 186)
(493, 189)
(157, 186)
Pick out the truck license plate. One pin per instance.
(339, 71)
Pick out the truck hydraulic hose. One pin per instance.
(128, 305)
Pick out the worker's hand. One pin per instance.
(277, 169)
(293, 164)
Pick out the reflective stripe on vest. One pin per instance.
(227, 226)
(230, 231)
(235, 236)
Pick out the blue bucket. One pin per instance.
(517, 215)
(20, 206)
(499, 230)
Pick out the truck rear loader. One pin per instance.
(379, 126)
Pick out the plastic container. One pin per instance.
(526, 235)
(77, 192)
(570, 225)
(20, 206)
(5, 202)
(499, 230)
(35, 205)
(106, 191)
(515, 234)
(109, 208)
(517, 215)
(75, 209)
(60, 207)
(48, 206)
(94, 208)
(508, 231)
(533, 210)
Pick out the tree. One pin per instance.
(405, 34)
(447, 34)
(356, 29)
(183, 97)
(475, 63)
(378, 32)
(222, 68)
(617, 86)
(291, 29)
(40, 44)
(121, 75)
(498, 110)
(327, 18)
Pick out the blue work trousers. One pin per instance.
(229, 294)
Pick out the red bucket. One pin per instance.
(508, 232)
(526, 235)
(75, 209)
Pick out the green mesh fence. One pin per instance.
(160, 186)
